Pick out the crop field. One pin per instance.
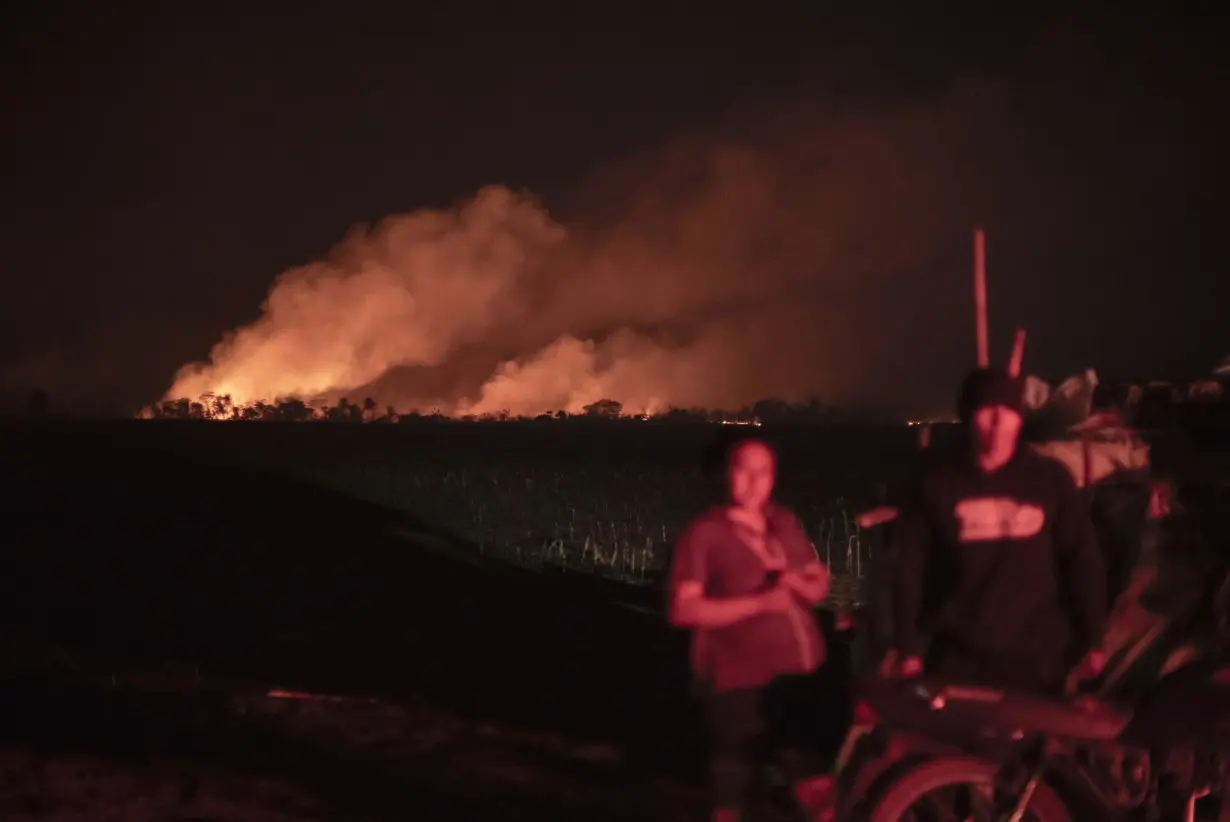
(615, 523)
(606, 499)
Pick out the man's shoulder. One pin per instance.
(1045, 467)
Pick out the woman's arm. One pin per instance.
(807, 576)
(810, 581)
(690, 608)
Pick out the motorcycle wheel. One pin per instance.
(905, 799)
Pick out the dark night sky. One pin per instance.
(166, 164)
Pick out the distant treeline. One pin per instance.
(368, 411)
(1150, 405)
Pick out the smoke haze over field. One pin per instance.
(753, 261)
(600, 222)
(789, 251)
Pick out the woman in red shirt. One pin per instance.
(744, 579)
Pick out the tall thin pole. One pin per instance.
(980, 295)
(1018, 353)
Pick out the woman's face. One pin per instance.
(752, 473)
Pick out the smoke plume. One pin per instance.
(761, 259)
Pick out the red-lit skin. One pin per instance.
(813, 795)
(750, 481)
(1159, 500)
(996, 430)
(863, 714)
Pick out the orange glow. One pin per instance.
(717, 270)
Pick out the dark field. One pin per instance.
(160, 578)
(606, 498)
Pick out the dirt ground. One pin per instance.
(148, 603)
(162, 753)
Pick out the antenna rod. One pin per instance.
(980, 295)
(1018, 353)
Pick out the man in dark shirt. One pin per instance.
(997, 557)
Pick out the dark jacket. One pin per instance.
(1005, 564)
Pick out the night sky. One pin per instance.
(166, 162)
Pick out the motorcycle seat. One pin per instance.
(1080, 718)
(946, 705)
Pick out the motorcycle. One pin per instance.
(989, 754)
(1151, 739)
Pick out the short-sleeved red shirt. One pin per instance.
(751, 652)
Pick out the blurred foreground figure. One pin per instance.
(744, 580)
(874, 649)
(997, 558)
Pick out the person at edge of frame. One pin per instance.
(870, 626)
(997, 558)
(744, 579)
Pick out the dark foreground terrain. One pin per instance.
(189, 633)
(150, 602)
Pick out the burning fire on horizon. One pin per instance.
(723, 268)
(223, 408)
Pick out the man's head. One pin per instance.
(990, 404)
(751, 471)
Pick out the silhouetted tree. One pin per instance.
(816, 410)
(684, 415)
(771, 410)
(811, 410)
(294, 411)
(346, 411)
(608, 409)
(223, 408)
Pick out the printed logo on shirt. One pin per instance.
(987, 519)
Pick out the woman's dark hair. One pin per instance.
(733, 449)
(729, 441)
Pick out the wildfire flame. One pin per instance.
(719, 270)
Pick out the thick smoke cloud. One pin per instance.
(782, 255)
